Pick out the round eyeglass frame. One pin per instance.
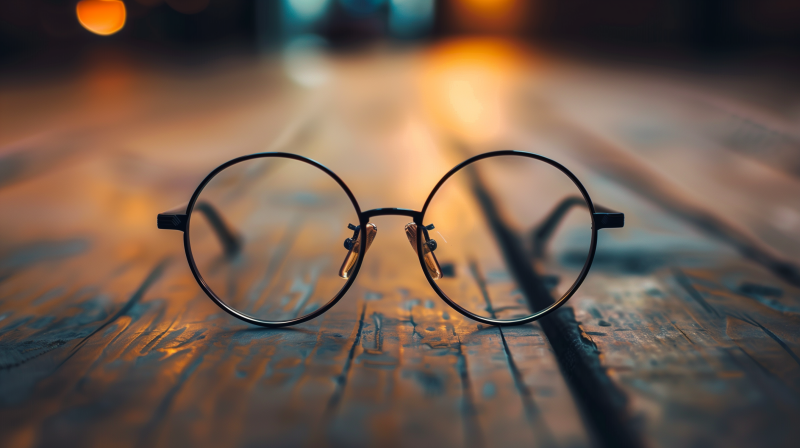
(556, 304)
(207, 289)
(363, 218)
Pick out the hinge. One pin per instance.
(609, 220)
(172, 222)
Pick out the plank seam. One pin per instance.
(341, 380)
(602, 404)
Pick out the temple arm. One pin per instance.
(176, 218)
(604, 218)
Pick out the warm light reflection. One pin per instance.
(420, 159)
(469, 85)
(103, 17)
(466, 104)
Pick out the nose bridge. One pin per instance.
(427, 243)
(368, 230)
(391, 211)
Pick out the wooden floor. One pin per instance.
(684, 334)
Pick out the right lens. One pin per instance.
(509, 233)
(267, 235)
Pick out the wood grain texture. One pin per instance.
(676, 338)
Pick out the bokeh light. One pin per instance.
(409, 18)
(493, 16)
(304, 61)
(103, 17)
(304, 11)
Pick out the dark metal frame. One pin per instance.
(179, 219)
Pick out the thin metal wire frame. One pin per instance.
(364, 217)
(556, 304)
(200, 280)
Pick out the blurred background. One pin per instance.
(704, 28)
(698, 94)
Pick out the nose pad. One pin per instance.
(431, 263)
(353, 246)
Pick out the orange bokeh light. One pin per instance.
(103, 17)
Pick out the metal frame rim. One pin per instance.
(363, 218)
(207, 289)
(555, 305)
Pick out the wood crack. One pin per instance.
(777, 339)
(686, 284)
(151, 278)
(603, 406)
(341, 380)
(472, 429)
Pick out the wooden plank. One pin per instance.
(682, 336)
(105, 338)
(684, 347)
(455, 382)
(147, 359)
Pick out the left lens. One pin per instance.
(266, 236)
(508, 234)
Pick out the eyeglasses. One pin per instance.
(504, 238)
